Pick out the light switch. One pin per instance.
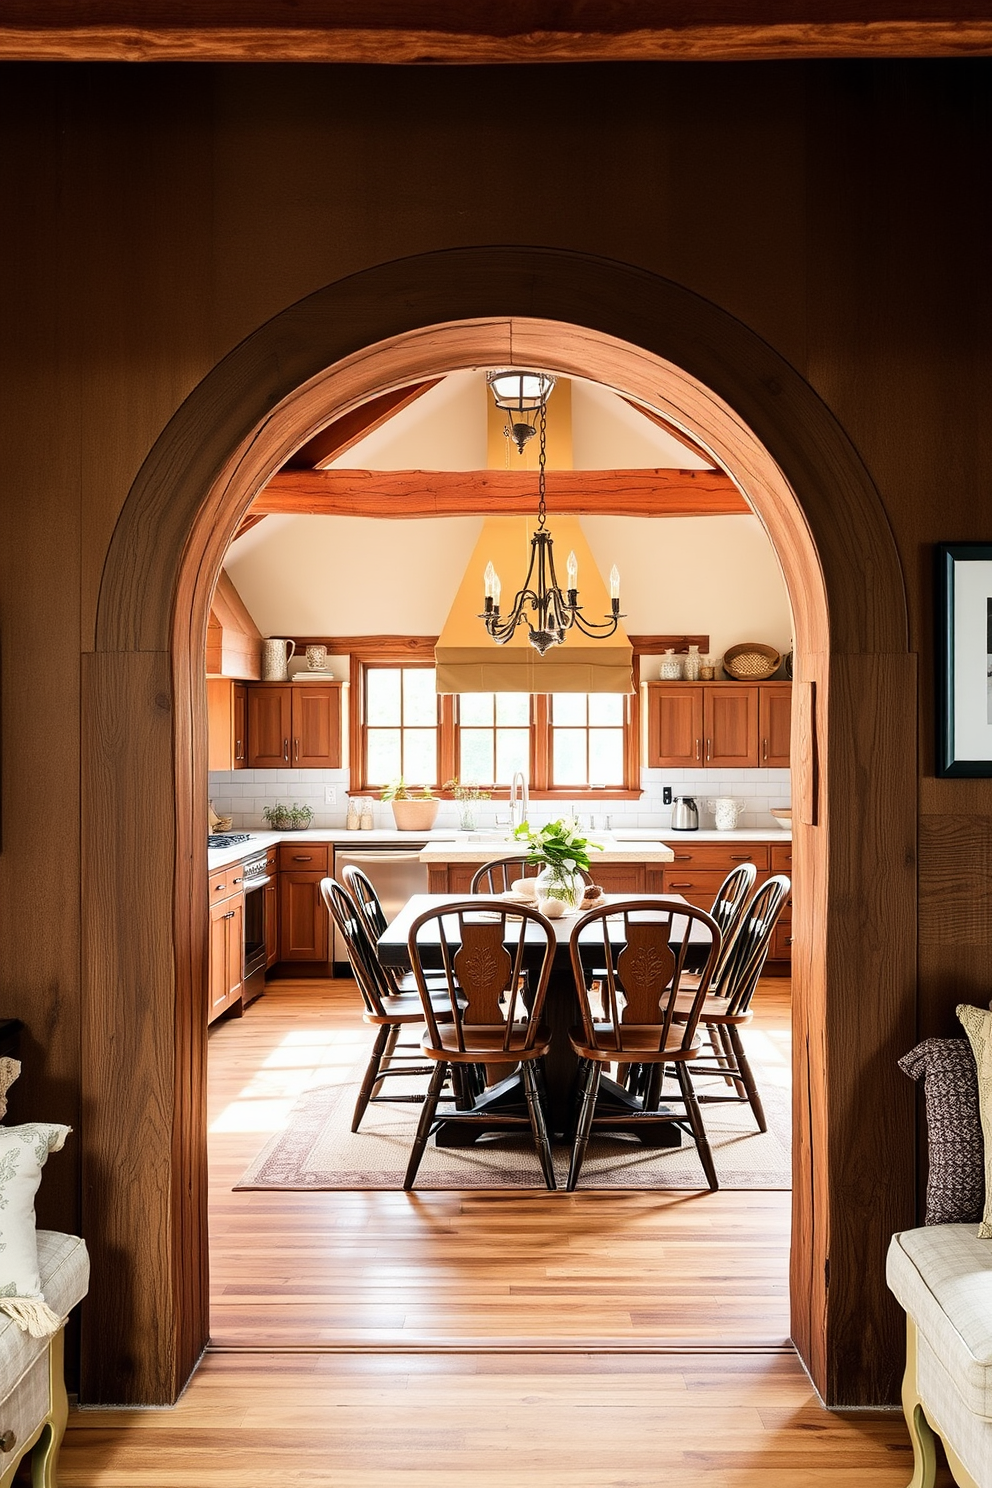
(330, 795)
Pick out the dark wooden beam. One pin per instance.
(353, 427)
(446, 493)
(449, 31)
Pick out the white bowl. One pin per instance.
(783, 815)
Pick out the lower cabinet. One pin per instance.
(227, 935)
(303, 921)
(271, 892)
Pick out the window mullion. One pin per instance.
(447, 739)
(541, 742)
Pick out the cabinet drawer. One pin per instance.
(271, 859)
(716, 855)
(781, 857)
(781, 946)
(703, 882)
(225, 881)
(303, 857)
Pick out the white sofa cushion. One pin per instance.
(65, 1270)
(23, 1153)
(942, 1277)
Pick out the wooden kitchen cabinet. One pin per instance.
(294, 724)
(271, 892)
(227, 934)
(227, 724)
(675, 725)
(718, 725)
(303, 924)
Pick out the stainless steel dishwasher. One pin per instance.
(395, 873)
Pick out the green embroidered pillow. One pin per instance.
(23, 1151)
(977, 1024)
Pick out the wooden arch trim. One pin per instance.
(144, 983)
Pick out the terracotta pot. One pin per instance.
(415, 816)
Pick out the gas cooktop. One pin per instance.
(227, 839)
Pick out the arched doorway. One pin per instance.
(145, 896)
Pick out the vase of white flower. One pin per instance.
(562, 849)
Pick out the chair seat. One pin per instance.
(487, 1044)
(409, 1009)
(640, 1044)
(714, 1010)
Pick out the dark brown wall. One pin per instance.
(155, 216)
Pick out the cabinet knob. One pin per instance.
(7, 1440)
(218, 888)
(229, 915)
(237, 880)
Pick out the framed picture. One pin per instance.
(964, 658)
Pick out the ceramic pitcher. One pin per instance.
(275, 659)
(726, 810)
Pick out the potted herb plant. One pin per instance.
(563, 850)
(415, 808)
(283, 818)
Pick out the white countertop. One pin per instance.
(634, 845)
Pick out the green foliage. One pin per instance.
(398, 790)
(558, 843)
(463, 791)
(283, 818)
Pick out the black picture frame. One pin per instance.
(962, 605)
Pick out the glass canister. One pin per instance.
(671, 666)
(707, 669)
(692, 664)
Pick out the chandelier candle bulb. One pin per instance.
(573, 570)
(615, 585)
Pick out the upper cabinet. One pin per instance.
(227, 724)
(294, 725)
(718, 725)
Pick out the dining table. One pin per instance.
(561, 1013)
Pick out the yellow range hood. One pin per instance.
(468, 661)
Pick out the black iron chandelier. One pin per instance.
(552, 612)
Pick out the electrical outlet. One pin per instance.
(666, 795)
(330, 795)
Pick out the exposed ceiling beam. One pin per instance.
(445, 493)
(355, 426)
(438, 31)
(672, 431)
(247, 523)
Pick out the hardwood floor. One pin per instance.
(585, 1341)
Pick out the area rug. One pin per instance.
(317, 1149)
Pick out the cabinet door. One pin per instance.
(775, 723)
(302, 918)
(271, 892)
(675, 725)
(730, 718)
(618, 878)
(226, 947)
(270, 725)
(240, 741)
(316, 726)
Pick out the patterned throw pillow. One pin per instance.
(23, 1150)
(977, 1024)
(956, 1180)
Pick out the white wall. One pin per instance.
(361, 576)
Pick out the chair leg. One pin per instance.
(696, 1123)
(425, 1123)
(584, 1125)
(538, 1125)
(747, 1075)
(730, 1054)
(387, 1055)
(718, 1043)
(371, 1074)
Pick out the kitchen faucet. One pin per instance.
(519, 805)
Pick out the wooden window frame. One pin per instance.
(419, 651)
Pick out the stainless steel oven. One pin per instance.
(255, 878)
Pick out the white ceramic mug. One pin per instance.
(275, 659)
(316, 658)
(726, 810)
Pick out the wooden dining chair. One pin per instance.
(727, 1006)
(483, 954)
(641, 951)
(367, 902)
(497, 876)
(382, 1006)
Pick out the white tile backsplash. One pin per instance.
(241, 794)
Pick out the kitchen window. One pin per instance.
(569, 745)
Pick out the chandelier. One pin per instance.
(552, 612)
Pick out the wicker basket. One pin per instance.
(751, 662)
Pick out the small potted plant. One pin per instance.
(415, 808)
(466, 795)
(561, 847)
(283, 818)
